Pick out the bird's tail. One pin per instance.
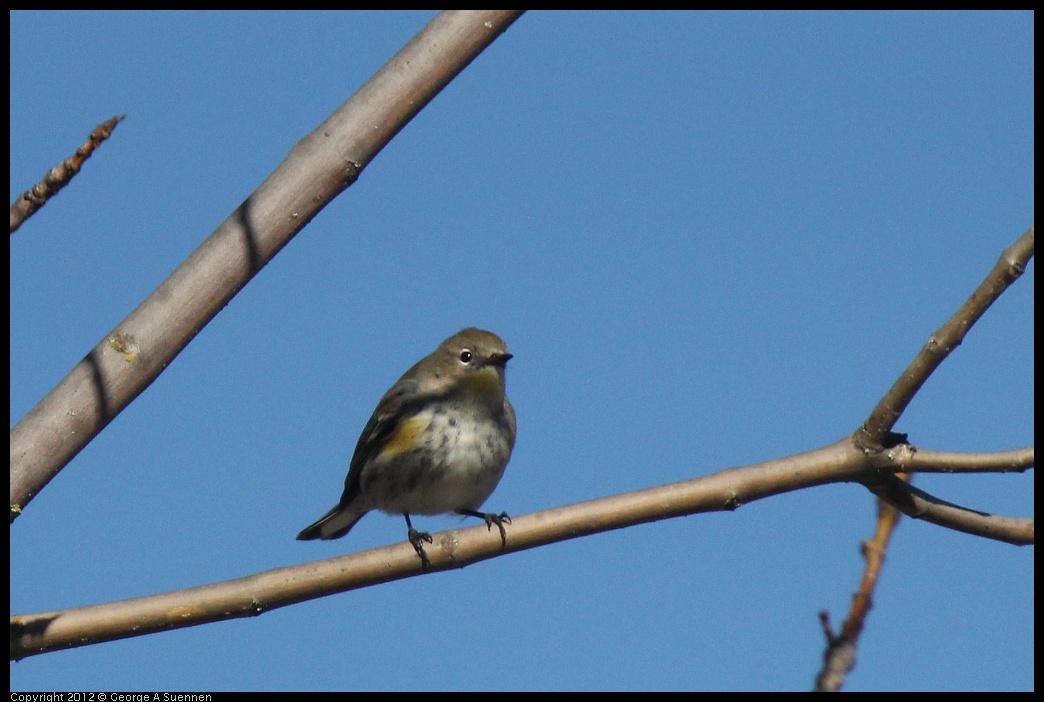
(332, 525)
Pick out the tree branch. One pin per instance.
(318, 168)
(250, 596)
(840, 655)
(908, 459)
(726, 490)
(874, 437)
(1012, 264)
(58, 177)
(919, 504)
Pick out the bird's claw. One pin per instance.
(500, 520)
(417, 538)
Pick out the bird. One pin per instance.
(438, 442)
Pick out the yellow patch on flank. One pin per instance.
(405, 437)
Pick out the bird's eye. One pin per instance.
(465, 356)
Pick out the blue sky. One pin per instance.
(709, 240)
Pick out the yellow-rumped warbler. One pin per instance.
(438, 441)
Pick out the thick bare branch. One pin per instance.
(249, 596)
(726, 490)
(319, 167)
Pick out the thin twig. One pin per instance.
(919, 504)
(59, 176)
(840, 655)
(910, 459)
(1012, 264)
